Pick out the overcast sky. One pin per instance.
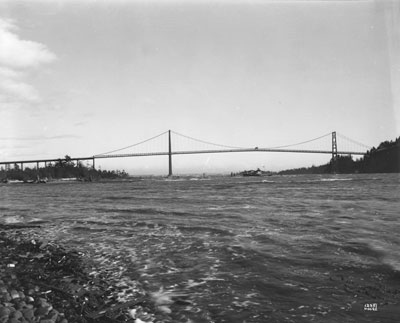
(84, 77)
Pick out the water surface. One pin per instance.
(258, 249)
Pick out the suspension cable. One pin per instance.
(226, 146)
(206, 142)
(353, 141)
(300, 143)
(130, 146)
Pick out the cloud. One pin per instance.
(14, 87)
(18, 58)
(19, 53)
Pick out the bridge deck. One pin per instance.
(240, 150)
(183, 152)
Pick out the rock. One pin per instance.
(16, 315)
(42, 301)
(6, 297)
(29, 299)
(14, 294)
(4, 311)
(43, 310)
(28, 313)
(12, 309)
(19, 305)
(53, 314)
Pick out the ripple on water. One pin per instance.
(232, 250)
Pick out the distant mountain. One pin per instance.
(384, 159)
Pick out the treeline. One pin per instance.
(64, 168)
(383, 159)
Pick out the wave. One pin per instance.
(143, 211)
(116, 198)
(364, 249)
(335, 179)
(387, 253)
(212, 230)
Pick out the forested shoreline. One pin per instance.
(62, 169)
(383, 159)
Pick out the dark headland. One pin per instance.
(63, 169)
(383, 159)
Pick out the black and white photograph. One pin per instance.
(199, 161)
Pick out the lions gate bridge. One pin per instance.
(166, 146)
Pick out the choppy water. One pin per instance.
(257, 249)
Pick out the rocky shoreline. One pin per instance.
(41, 281)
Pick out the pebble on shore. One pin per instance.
(21, 301)
(42, 282)
(17, 305)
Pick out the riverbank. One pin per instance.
(41, 281)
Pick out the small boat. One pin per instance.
(252, 172)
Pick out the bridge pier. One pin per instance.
(37, 171)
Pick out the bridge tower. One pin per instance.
(334, 146)
(169, 154)
(334, 153)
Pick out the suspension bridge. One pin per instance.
(163, 145)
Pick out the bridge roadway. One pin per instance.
(182, 152)
(238, 150)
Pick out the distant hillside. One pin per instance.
(384, 159)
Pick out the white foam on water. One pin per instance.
(217, 208)
(10, 219)
(248, 206)
(341, 222)
(335, 179)
(191, 283)
(391, 255)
